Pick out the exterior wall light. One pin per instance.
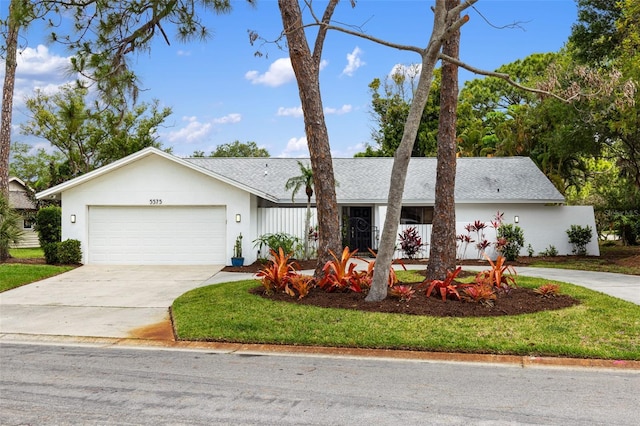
(73, 218)
(238, 218)
(516, 218)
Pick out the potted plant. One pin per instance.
(237, 259)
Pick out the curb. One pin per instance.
(323, 351)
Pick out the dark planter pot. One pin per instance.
(237, 261)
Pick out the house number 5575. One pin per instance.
(155, 201)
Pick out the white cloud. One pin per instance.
(38, 68)
(344, 109)
(354, 61)
(184, 52)
(280, 72)
(40, 63)
(410, 72)
(296, 145)
(192, 132)
(297, 111)
(228, 119)
(195, 130)
(349, 151)
(290, 112)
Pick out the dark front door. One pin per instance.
(359, 230)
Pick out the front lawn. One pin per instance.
(600, 327)
(613, 257)
(27, 253)
(14, 275)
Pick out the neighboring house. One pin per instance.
(154, 208)
(20, 198)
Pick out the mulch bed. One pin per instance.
(518, 301)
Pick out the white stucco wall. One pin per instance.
(542, 225)
(156, 178)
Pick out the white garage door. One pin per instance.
(157, 235)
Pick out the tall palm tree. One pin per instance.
(305, 179)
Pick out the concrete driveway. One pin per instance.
(99, 301)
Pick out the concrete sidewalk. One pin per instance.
(625, 287)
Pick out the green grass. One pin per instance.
(608, 251)
(27, 253)
(600, 327)
(596, 265)
(14, 275)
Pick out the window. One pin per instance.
(413, 215)
(28, 224)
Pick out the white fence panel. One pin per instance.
(292, 220)
(288, 220)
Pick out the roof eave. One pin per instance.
(55, 191)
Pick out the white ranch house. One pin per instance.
(155, 208)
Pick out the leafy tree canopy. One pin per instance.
(594, 36)
(90, 136)
(236, 149)
(391, 108)
(36, 169)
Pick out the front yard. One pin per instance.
(599, 327)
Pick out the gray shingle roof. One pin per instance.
(19, 195)
(366, 180)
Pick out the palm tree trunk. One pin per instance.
(442, 256)
(7, 97)
(306, 67)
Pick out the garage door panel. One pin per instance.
(157, 235)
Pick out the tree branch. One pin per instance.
(505, 77)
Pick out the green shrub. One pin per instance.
(49, 225)
(628, 228)
(530, 250)
(579, 237)
(551, 251)
(514, 240)
(275, 242)
(69, 252)
(51, 253)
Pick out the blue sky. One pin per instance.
(220, 92)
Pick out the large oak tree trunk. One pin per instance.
(402, 157)
(306, 67)
(442, 255)
(7, 98)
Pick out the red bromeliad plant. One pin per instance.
(341, 275)
(548, 290)
(300, 284)
(278, 272)
(402, 292)
(393, 278)
(479, 293)
(446, 287)
(497, 275)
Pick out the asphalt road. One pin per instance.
(65, 385)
